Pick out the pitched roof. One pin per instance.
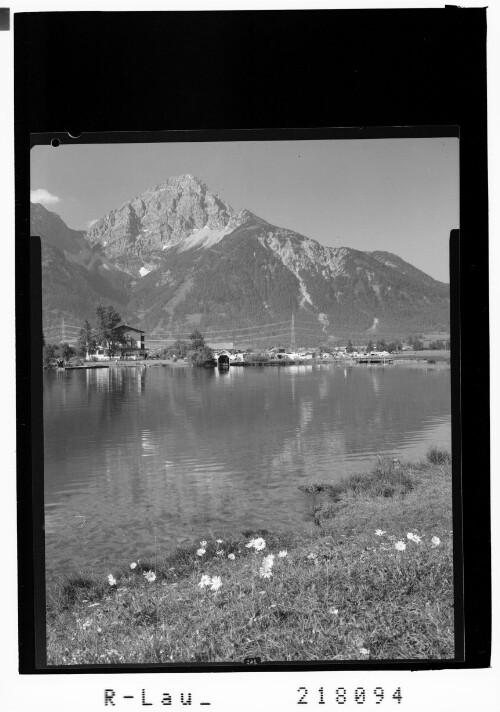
(127, 326)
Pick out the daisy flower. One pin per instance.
(150, 576)
(379, 532)
(400, 545)
(413, 537)
(364, 651)
(219, 541)
(133, 565)
(220, 552)
(111, 580)
(258, 544)
(436, 541)
(267, 565)
(205, 581)
(282, 554)
(200, 552)
(203, 544)
(231, 556)
(216, 583)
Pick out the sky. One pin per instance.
(397, 195)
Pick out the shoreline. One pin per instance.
(326, 598)
(436, 362)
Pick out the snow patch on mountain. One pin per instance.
(323, 320)
(306, 297)
(204, 238)
(143, 271)
(299, 253)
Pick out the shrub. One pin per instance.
(438, 456)
(202, 357)
(253, 358)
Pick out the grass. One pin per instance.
(342, 592)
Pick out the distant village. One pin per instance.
(113, 341)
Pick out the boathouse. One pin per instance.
(223, 360)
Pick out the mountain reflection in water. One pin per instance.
(135, 456)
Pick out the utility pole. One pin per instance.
(292, 344)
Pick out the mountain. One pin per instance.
(178, 257)
(135, 234)
(75, 277)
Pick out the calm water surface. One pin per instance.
(143, 459)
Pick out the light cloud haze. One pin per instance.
(40, 195)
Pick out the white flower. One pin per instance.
(220, 552)
(364, 651)
(334, 611)
(216, 583)
(400, 545)
(413, 537)
(231, 556)
(111, 580)
(379, 532)
(312, 555)
(203, 543)
(258, 544)
(205, 581)
(282, 554)
(436, 541)
(200, 552)
(149, 576)
(219, 541)
(133, 565)
(267, 564)
(86, 624)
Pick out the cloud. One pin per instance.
(40, 195)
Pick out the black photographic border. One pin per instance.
(452, 42)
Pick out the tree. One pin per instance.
(50, 353)
(86, 344)
(66, 351)
(350, 347)
(107, 321)
(369, 346)
(179, 349)
(203, 356)
(197, 340)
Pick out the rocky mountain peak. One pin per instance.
(134, 235)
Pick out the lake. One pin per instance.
(139, 460)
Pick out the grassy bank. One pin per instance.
(356, 587)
